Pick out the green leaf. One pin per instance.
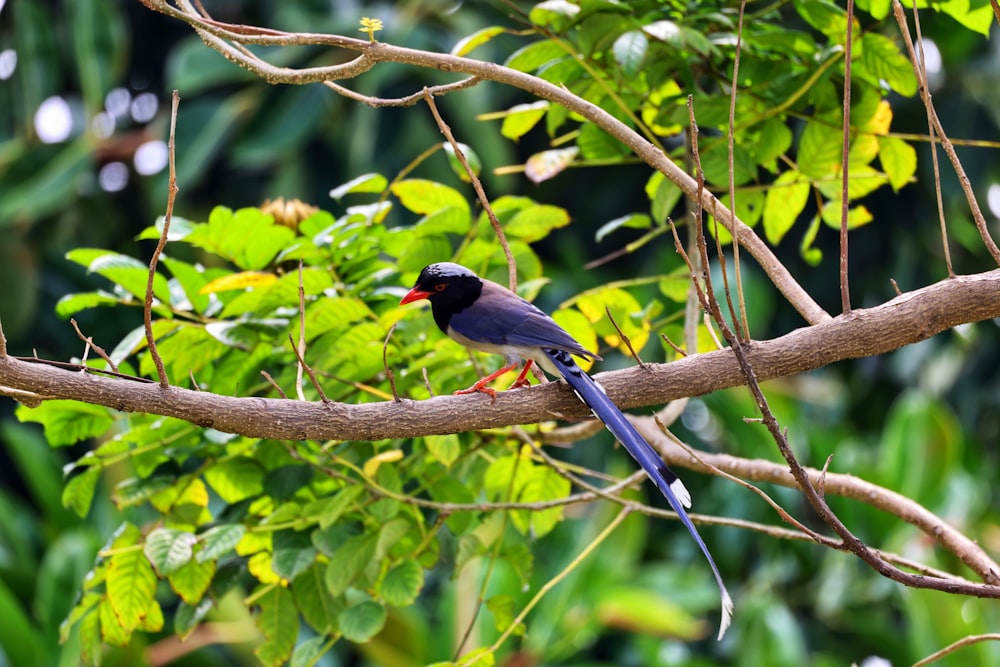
(362, 621)
(402, 584)
(882, 60)
(543, 484)
(293, 553)
(129, 273)
(596, 144)
(821, 150)
(423, 251)
(71, 304)
(475, 164)
(503, 609)
(424, 197)
(169, 549)
(236, 479)
(467, 45)
(521, 118)
(534, 223)
(555, 14)
(370, 183)
(309, 652)
(348, 561)
(131, 582)
(506, 476)
(79, 491)
(219, 540)
(785, 200)
(444, 448)
(812, 256)
(630, 52)
(663, 195)
(341, 502)
(278, 619)
(67, 422)
(856, 216)
(318, 607)
(630, 221)
(248, 238)
(192, 580)
(533, 56)
(899, 160)
(448, 220)
(187, 617)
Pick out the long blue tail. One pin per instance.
(669, 484)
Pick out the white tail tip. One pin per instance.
(683, 495)
(727, 613)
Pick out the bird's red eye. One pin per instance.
(440, 287)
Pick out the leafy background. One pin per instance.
(922, 420)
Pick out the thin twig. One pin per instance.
(406, 101)
(477, 186)
(920, 68)
(277, 387)
(147, 309)
(89, 340)
(676, 348)
(385, 363)
(949, 149)
(845, 294)
(730, 140)
(961, 643)
(309, 372)
(300, 347)
(625, 339)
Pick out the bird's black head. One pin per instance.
(451, 288)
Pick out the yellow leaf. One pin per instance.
(372, 465)
(239, 281)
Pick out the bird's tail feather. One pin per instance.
(591, 393)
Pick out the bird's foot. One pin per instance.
(481, 388)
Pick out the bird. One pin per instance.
(487, 317)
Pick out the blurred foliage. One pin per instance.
(179, 526)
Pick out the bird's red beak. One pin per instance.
(415, 294)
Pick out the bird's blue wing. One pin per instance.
(500, 317)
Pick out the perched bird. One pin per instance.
(485, 316)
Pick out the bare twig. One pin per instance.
(309, 372)
(744, 326)
(920, 68)
(89, 340)
(845, 294)
(624, 338)
(147, 309)
(277, 387)
(949, 149)
(385, 363)
(477, 185)
(961, 643)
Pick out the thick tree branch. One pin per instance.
(907, 319)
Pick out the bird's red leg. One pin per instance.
(522, 379)
(480, 386)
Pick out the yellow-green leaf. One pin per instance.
(241, 280)
(899, 160)
(192, 580)
(425, 197)
(783, 203)
(402, 584)
(131, 582)
(169, 549)
(519, 119)
(278, 619)
(467, 45)
(444, 448)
